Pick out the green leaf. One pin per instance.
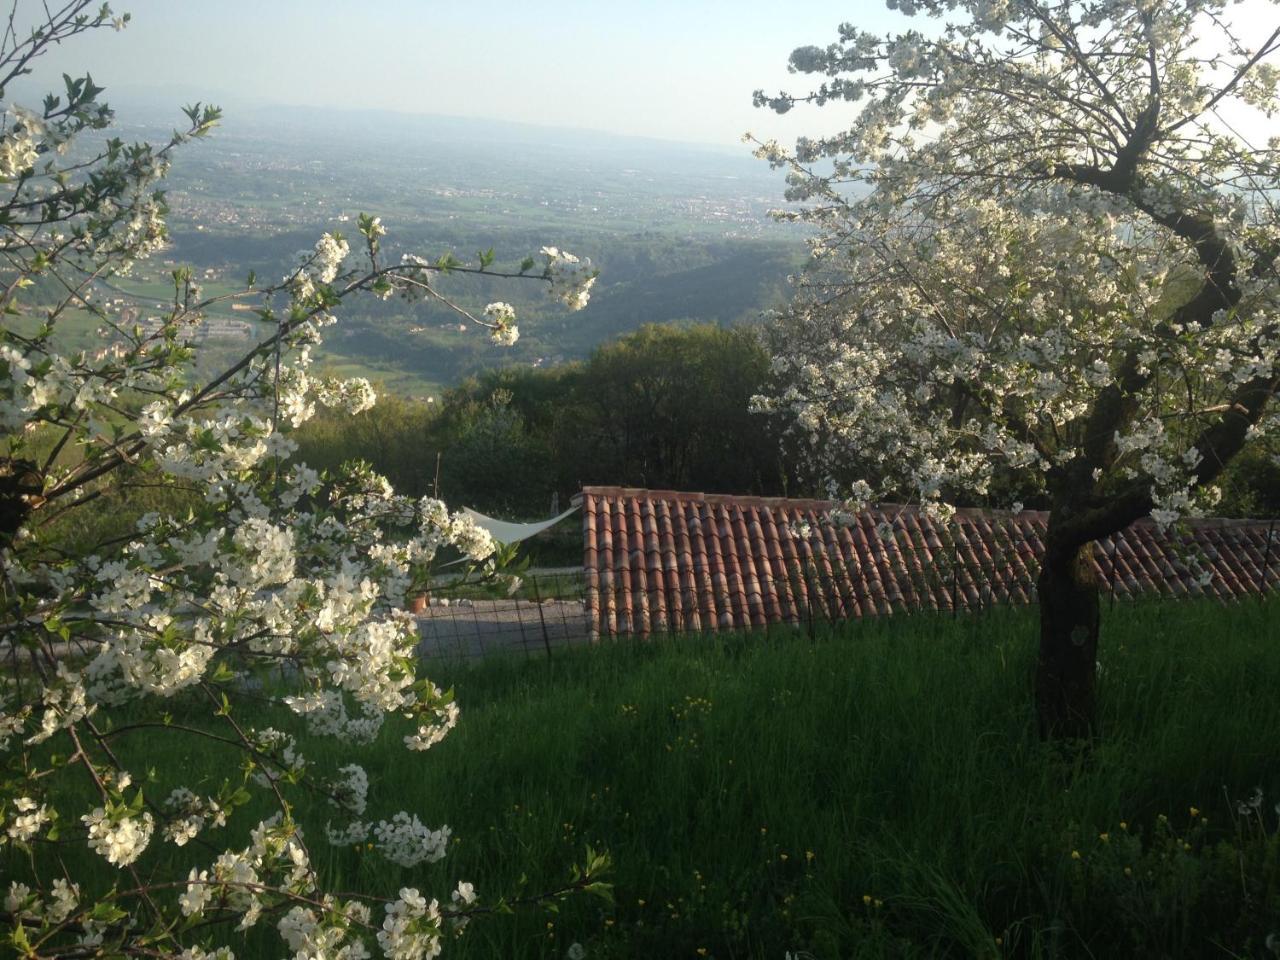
(18, 937)
(91, 90)
(223, 674)
(107, 913)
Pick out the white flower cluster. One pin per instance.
(264, 556)
(571, 277)
(199, 953)
(463, 896)
(353, 834)
(144, 231)
(190, 815)
(472, 539)
(502, 319)
(239, 880)
(138, 660)
(405, 840)
(26, 820)
(326, 936)
(32, 383)
(11, 724)
(22, 902)
(320, 266)
(16, 401)
(327, 715)
(351, 790)
(213, 449)
(352, 396)
(19, 146)
(65, 703)
(277, 754)
(119, 835)
(17, 154)
(412, 928)
(444, 717)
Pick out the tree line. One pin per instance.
(663, 407)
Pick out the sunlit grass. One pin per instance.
(875, 791)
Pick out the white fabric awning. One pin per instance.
(505, 532)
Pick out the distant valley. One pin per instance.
(680, 232)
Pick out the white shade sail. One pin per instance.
(506, 532)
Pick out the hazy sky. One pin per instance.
(675, 69)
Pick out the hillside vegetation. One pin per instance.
(663, 407)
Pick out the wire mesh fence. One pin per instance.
(550, 614)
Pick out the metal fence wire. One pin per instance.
(549, 614)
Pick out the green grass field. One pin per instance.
(878, 791)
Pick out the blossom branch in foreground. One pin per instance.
(262, 600)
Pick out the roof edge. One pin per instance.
(728, 499)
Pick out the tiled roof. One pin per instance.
(659, 561)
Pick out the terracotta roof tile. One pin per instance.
(661, 560)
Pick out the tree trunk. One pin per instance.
(20, 487)
(1070, 611)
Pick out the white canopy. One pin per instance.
(505, 532)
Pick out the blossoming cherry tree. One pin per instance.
(1046, 243)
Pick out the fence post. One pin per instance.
(475, 624)
(502, 633)
(808, 596)
(457, 632)
(537, 599)
(955, 574)
(1266, 563)
(1111, 574)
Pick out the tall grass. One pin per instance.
(878, 790)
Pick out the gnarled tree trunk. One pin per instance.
(20, 487)
(1070, 611)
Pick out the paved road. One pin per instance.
(489, 626)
